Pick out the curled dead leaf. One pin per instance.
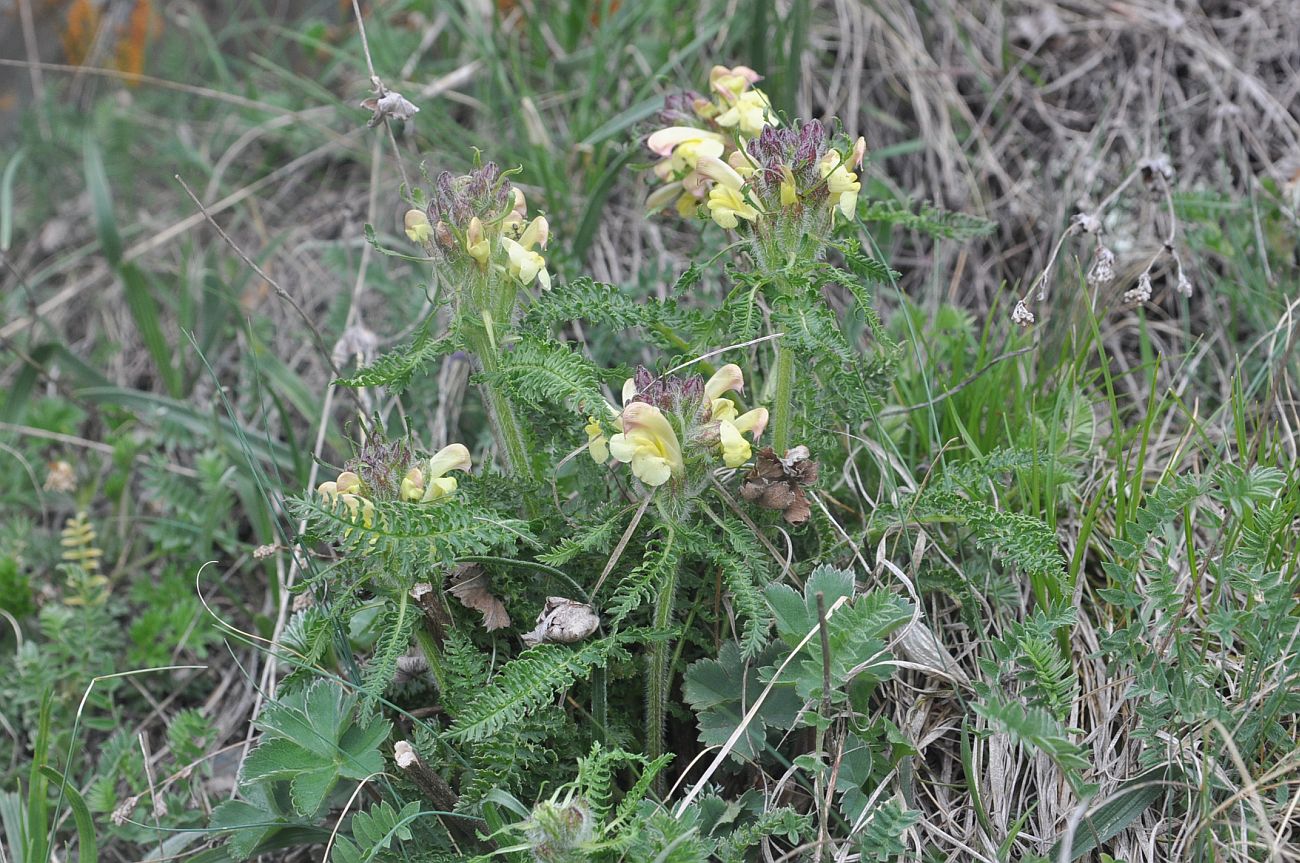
(563, 621)
(473, 587)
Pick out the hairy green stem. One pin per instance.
(433, 655)
(657, 685)
(505, 425)
(783, 403)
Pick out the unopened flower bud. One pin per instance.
(476, 242)
(858, 153)
(443, 235)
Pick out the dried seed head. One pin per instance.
(61, 477)
(1021, 316)
(123, 812)
(1156, 171)
(1184, 285)
(1102, 272)
(1087, 223)
(357, 343)
(262, 552)
(779, 482)
(389, 104)
(1141, 293)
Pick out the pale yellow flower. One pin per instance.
(726, 199)
(732, 82)
(346, 490)
(666, 141)
(423, 487)
(476, 242)
(724, 380)
(842, 183)
(648, 443)
(597, 443)
(662, 197)
(525, 264)
(735, 449)
(727, 206)
(748, 113)
(418, 227)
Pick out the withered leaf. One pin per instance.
(473, 587)
(563, 621)
(779, 482)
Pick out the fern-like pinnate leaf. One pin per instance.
(530, 681)
(1036, 728)
(882, 836)
(927, 219)
(396, 368)
(662, 556)
(545, 374)
(418, 537)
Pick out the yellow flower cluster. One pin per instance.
(732, 156)
(516, 239)
(420, 485)
(738, 111)
(649, 443)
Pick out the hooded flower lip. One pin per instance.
(665, 141)
(841, 182)
(725, 380)
(347, 490)
(735, 449)
(648, 443)
(424, 487)
(523, 263)
(732, 81)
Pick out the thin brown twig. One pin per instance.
(280, 292)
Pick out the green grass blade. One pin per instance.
(7, 198)
(144, 312)
(87, 850)
(101, 200)
(1122, 809)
